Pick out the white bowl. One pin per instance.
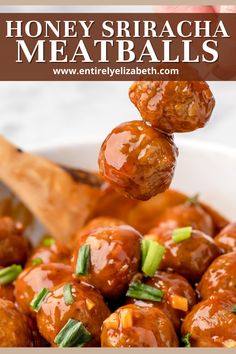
(202, 168)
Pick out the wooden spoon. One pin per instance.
(61, 198)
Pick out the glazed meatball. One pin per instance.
(49, 251)
(102, 221)
(87, 307)
(175, 287)
(114, 204)
(34, 278)
(220, 276)
(137, 160)
(173, 106)
(14, 330)
(187, 214)
(212, 323)
(143, 215)
(191, 257)
(114, 258)
(219, 220)
(13, 246)
(134, 326)
(226, 239)
(7, 292)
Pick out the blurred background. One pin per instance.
(38, 113)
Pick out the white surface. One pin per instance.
(32, 113)
(202, 168)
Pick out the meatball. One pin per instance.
(191, 257)
(96, 223)
(187, 214)
(102, 221)
(173, 285)
(143, 216)
(49, 251)
(137, 160)
(7, 292)
(219, 276)
(226, 239)
(87, 307)
(34, 278)
(173, 106)
(219, 221)
(114, 204)
(212, 323)
(115, 254)
(134, 326)
(13, 246)
(14, 330)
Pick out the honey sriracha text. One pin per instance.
(116, 36)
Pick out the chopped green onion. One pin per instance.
(82, 265)
(73, 334)
(142, 291)
(194, 199)
(151, 256)
(36, 303)
(9, 274)
(144, 249)
(49, 241)
(37, 261)
(67, 292)
(233, 309)
(186, 340)
(182, 234)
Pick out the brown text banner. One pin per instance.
(117, 46)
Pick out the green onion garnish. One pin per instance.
(37, 261)
(9, 274)
(194, 199)
(36, 303)
(144, 249)
(233, 309)
(186, 340)
(182, 234)
(82, 265)
(152, 254)
(67, 292)
(73, 334)
(49, 241)
(142, 291)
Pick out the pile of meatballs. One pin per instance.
(102, 285)
(155, 273)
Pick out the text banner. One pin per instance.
(117, 46)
